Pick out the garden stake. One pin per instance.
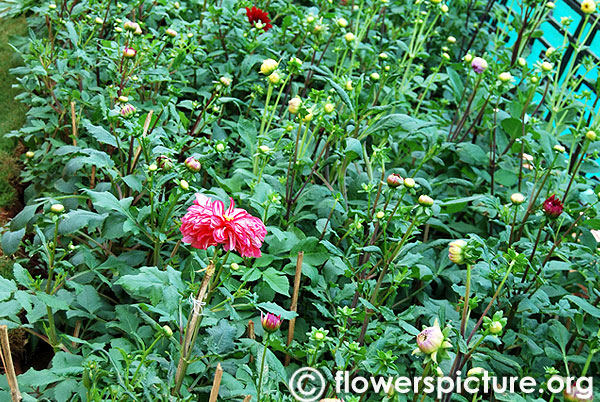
(192, 329)
(9, 367)
(214, 392)
(294, 305)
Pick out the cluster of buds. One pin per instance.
(552, 207)
(192, 164)
(463, 251)
(496, 324)
(133, 27)
(269, 68)
(270, 322)
(431, 341)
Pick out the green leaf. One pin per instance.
(277, 281)
(221, 337)
(75, 220)
(7, 287)
(584, 305)
(23, 217)
(11, 240)
(471, 153)
(353, 149)
(89, 299)
(100, 134)
(152, 283)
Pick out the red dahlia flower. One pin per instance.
(257, 15)
(553, 207)
(207, 223)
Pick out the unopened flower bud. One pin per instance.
(152, 167)
(99, 21)
(342, 22)
(127, 111)
(547, 66)
(329, 107)
(409, 182)
(123, 99)
(559, 148)
(550, 5)
(131, 26)
(394, 180)
(375, 76)
(505, 77)
(129, 53)
(348, 85)
(495, 327)
(234, 266)
(270, 322)
(588, 6)
(550, 51)
(264, 149)
(522, 62)
(268, 66)
(444, 8)
(294, 105)
(226, 81)
(591, 135)
(29, 154)
(167, 331)
(171, 32)
(184, 185)
(57, 208)
(451, 39)
(274, 78)
(468, 58)
(220, 147)
(425, 200)
(192, 164)
(479, 65)
(380, 215)
(349, 37)
(517, 198)
(383, 56)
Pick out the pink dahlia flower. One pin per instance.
(207, 223)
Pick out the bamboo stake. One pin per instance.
(214, 392)
(192, 328)
(294, 306)
(9, 367)
(74, 123)
(247, 398)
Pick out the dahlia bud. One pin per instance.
(591, 135)
(559, 148)
(57, 208)
(456, 252)
(573, 393)
(234, 266)
(445, 56)
(129, 53)
(431, 340)
(294, 105)
(451, 39)
(383, 56)
(375, 76)
(495, 327)
(264, 149)
(167, 331)
(308, 117)
(553, 207)
(394, 180)
(52, 6)
(127, 111)
(348, 85)
(444, 8)
(268, 66)
(547, 66)
(476, 372)
(588, 6)
(468, 58)
(123, 99)
(99, 21)
(220, 147)
(171, 32)
(184, 185)
(192, 164)
(549, 51)
(152, 167)
(131, 26)
(517, 198)
(270, 322)
(342, 22)
(29, 154)
(329, 107)
(505, 77)
(534, 80)
(380, 215)
(226, 81)
(479, 65)
(425, 200)
(409, 182)
(349, 37)
(164, 162)
(550, 5)
(522, 62)
(274, 78)
(138, 31)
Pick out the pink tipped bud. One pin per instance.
(479, 65)
(129, 53)
(192, 164)
(430, 340)
(553, 207)
(131, 26)
(171, 32)
(127, 111)
(425, 200)
(270, 322)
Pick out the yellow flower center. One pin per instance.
(227, 217)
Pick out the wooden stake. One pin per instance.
(214, 392)
(9, 367)
(294, 306)
(74, 123)
(247, 398)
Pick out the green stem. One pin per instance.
(143, 359)
(463, 323)
(262, 368)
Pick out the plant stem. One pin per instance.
(262, 368)
(463, 323)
